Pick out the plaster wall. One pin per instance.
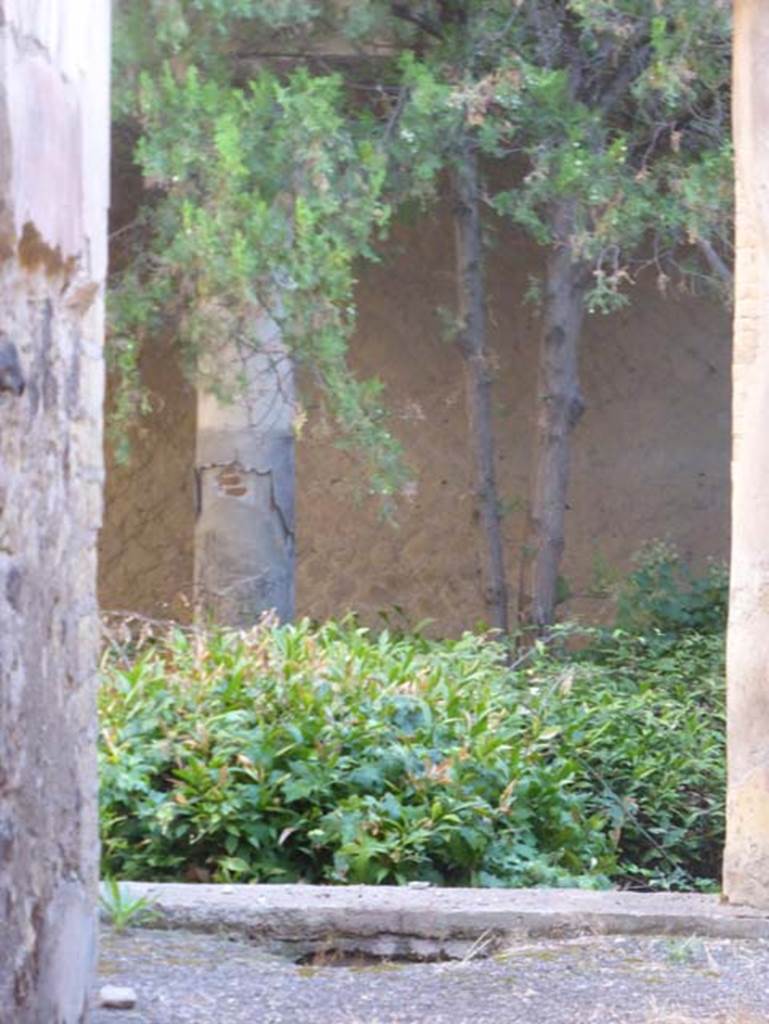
(54, 124)
(651, 453)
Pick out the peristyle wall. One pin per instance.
(651, 453)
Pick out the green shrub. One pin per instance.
(651, 734)
(331, 754)
(662, 593)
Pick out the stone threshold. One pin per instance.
(425, 923)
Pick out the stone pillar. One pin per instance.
(54, 131)
(746, 859)
(244, 529)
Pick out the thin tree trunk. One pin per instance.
(746, 858)
(244, 531)
(560, 406)
(473, 345)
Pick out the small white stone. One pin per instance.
(114, 997)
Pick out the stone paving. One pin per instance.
(192, 978)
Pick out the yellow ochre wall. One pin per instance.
(650, 455)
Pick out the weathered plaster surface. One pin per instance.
(54, 75)
(244, 529)
(55, 67)
(746, 859)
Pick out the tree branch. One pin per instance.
(613, 92)
(395, 116)
(717, 265)
(545, 25)
(400, 9)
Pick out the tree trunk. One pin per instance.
(560, 406)
(473, 345)
(244, 531)
(746, 859)
(54, 173)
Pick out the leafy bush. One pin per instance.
(650, 732)
(332, 754)
(662, 593)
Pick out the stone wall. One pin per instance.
(651, 453)
(54, 114)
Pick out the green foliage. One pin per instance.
(332, 754)
(653, 743)
(266, 188)
(120, 909)
(207, 34)
(263, 193)
(613, 116)
(662, 593)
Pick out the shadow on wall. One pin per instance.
(145, 552)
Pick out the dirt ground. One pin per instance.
(186, 978)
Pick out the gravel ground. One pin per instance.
(187, 978)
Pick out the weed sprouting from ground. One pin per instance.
(120, 909)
